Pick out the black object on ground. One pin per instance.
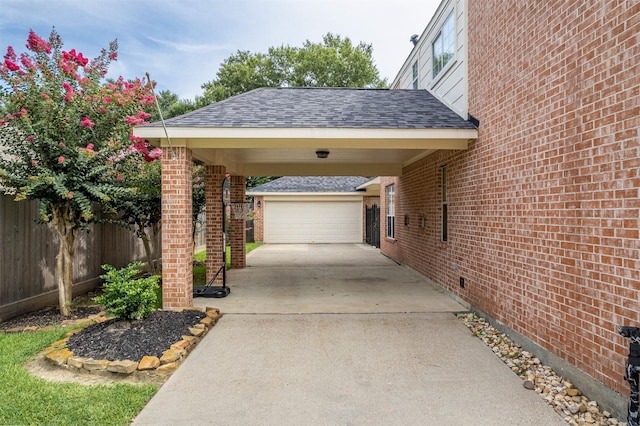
(633, 371)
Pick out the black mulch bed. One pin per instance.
(47, 317)
(115, 340)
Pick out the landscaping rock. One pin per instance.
(149, 363)
(197, 331)
(95, 365)
(558, 392)
(171, 355)
(59, 357)
(122, 367)
(167, 368)
(208, 321)
(76, 361)
(182, 344)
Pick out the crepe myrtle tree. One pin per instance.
(140, 210)
(62, 130)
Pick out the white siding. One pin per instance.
(450, 85)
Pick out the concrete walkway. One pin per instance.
(340, 335)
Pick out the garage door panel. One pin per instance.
(313, 222)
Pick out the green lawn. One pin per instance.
(199, 272)
(30, 400)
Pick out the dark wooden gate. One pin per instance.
(373, 226)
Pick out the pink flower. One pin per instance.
(36, 44)
(26, 62)
(107, 100)
(11, 65)
(30, 138)
(45, 96)
(81, 60)
(60, 159)
(70, 194)
(119, 177)
(134, 121)
(113, 56)
(153, 155)
(68, 97)
(90, 146)
(141, 147)
(86, 122)
(34, 163)
(11, 54)
(61, 145)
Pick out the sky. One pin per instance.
(182, 43)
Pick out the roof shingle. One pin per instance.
(325, 108)
(311, 184)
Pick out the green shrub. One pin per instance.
(127, 297)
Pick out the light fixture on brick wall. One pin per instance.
(322, 153)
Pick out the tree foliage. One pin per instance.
(62, 135)
(335, 62)
(171, 105)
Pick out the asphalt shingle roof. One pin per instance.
(325, 108)
(312, 184)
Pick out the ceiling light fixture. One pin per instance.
(322, 153)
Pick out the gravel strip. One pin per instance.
(559, 393)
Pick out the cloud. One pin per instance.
(182, 43)
(186, 47)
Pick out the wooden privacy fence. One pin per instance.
(28, 257)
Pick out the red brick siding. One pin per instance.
(238, 232)
(258, 218)
(543, 207)
(177, 242)
(215, 176)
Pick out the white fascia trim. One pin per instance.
(306, 194)
(295, 137)
(374, 181)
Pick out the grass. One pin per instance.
(31, 400)
(199, 272)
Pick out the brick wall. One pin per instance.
(214, 178)
(238, 227)
(258, 218)
(177, 243)
(544, 206)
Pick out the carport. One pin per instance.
(285, 132)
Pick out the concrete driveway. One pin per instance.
(340, 335)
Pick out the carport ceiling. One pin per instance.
(277, 131)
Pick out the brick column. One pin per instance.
(238, 232)
(177, 242)
(215, 220)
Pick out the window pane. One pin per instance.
(445, 219)
(391, 209)
(443, 48)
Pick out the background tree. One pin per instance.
(140, 210)
(335, 62)
(171, 106)
(61, 134)
(198, 198)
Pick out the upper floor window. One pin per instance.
(444, 45)
(415, 75)
(391, 211)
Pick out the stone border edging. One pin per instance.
(58, 355)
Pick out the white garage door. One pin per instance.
(313, 222)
